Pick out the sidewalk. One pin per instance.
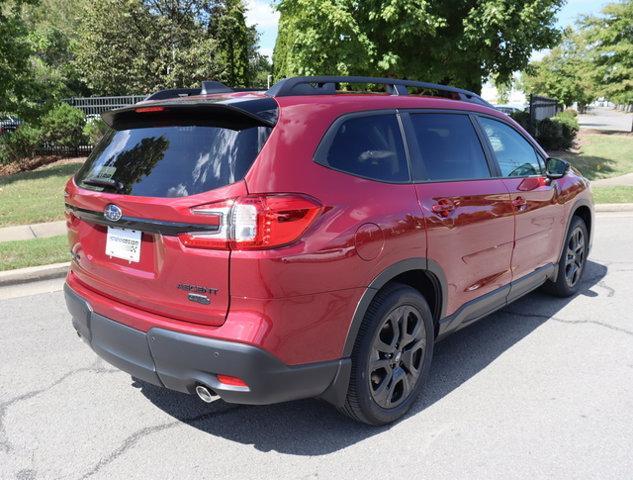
(29, 232)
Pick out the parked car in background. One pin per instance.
(509, 109)
(306, 242)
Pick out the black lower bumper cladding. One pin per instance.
(181, 362)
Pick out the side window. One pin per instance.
(515, 156)
(369, 146)
(449, 147)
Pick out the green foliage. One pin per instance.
(63, 126)
(23, 143)
(233, 39)
(523, 119)
(566, 73)
(611, 36)
(596, 60)
(503, 92)
(94, 130)
(436, 41)
(136, 46)
(15, 50)
(558, 132)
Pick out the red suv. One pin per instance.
(308, 242)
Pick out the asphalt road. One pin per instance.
(606, 119)
(542, 389)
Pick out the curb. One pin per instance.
(33, 274)
(614, 207)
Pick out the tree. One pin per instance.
(611, 35)
(138, 46)
(53, 27)
(504, 89)
(234, 38)
(458, 42)
(567, 73)
(15, 50)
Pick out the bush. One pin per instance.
(550, 134)
(63, 126)
(95, 129)
(523, 119)
(558, 132)
(21, 144)
(571, 112)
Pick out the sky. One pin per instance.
(262, 14)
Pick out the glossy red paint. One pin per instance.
(297, 301)
(473, 241)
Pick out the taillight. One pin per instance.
(254, 222)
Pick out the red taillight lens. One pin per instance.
(254, 222)
(229, 380)
(217, 217)
(266, 221)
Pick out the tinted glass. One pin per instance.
(370, 147)
(449, 147)
(515, 156)
(173, 161)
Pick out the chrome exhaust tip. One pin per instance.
(205, 394)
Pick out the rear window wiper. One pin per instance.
(104, 182)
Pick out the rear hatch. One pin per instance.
(134, 195)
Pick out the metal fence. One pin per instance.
(92, 106)
(542, 108)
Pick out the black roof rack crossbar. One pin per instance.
(327, 85)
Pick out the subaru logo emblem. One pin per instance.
(112, 213)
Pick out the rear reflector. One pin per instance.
(254, 222)
(234, 381)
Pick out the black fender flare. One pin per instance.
(580, 202)
(337, 391)
(388, 274)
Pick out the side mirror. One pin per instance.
(556, 168)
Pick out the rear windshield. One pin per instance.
(171, 160)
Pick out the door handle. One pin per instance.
(443, 207)
(519, 203)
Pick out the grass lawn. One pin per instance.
(29, 253)
(602, 155)
(35, 196)
(613, 194)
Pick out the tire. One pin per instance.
(572, 262)
(390, 363)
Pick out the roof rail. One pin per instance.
(327, 85)
(208, 86)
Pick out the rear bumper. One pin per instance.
(180, 361)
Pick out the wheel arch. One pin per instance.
(423, 274)
(582, 208)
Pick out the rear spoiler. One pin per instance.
(229, 113)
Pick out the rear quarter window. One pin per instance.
(368, 146)
(172, 160)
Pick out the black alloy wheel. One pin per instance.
(392, 356)
(396, 356)
(575, 256)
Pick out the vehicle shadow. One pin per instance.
(592, 167)
(312, 427)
